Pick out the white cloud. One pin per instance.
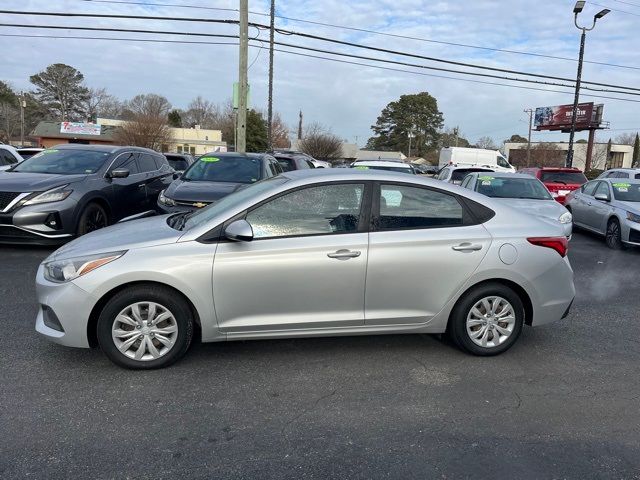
(347, 98)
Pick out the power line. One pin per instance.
(374, 32)
(317, 50)
(148, 40)
(314, 37)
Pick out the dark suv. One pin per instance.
(70, 190)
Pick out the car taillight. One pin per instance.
(559, 244)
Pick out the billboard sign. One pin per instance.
(80, 128)
(559, 117)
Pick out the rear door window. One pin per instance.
(404, 207)
(127, 161)
(589, 188)
(146, 163)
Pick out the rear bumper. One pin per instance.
(555, 294)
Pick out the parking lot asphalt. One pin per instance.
(563, 403)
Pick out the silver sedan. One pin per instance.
(609, 207)
(309, 253)
(522, 192)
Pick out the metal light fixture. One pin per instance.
(601, 14)
(579, 6)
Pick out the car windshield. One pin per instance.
(64, 162)
(565, 178)
(286, 163)
(25, 154)
(177, 163)
(387, 169)
(225, 168)
(460, 173)
(230, 201)
(626, 192)
(501, 187)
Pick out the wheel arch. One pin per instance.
(100, 200)
(92, 324)
(521, 292)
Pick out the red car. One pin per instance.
(559, 181)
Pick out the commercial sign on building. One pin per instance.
(559, 117)
(80, 128)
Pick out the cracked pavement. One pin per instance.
(563, 403)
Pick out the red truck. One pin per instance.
(560, 181)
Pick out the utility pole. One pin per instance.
(243, 81)
(23, 105)
(455, 132)
(530, 112)
(583, 37)
(300, 126)
(272, 30)
(410, 135)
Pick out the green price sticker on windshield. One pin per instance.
(209, 159)
(49, 151)
(486, 179)
(361, 167)
(621, 185)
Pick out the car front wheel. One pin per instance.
(487, 320)
(614, 235)
(92, 218)
(145, 327)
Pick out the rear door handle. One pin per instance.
(141, 185)
(343, 254)
(467, 247)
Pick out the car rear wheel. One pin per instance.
(92, 218)
(487, 320)
(145, 327)
(614, 235)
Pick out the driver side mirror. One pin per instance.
(239, 231)
(119, 173)
(603, 197)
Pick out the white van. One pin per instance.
(475, 157)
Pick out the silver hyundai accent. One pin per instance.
(309, 253)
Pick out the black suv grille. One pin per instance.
(6, 198)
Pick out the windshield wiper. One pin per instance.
(178, 220)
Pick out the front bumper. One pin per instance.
(45, 224)
(63, 312)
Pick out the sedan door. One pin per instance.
(599, 210)
(423, 248)
(581, 200)
(305, 267)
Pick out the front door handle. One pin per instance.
(343, 254)
(467, 247)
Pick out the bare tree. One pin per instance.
(95, 101)
(280, 132)
(625, 139)
(486, 143)
(224, 120)
(146, 124)
(200, 112)
(111, 107)
(320, 143)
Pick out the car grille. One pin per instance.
(6, 198)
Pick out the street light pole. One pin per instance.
(23, 105)
(530, 112)
(574, 113)
(272, 30)
(243, 83)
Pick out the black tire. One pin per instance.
(93, 217)
(457, 328)
(166, 298)
(613, 235)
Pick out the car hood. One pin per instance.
(183, 191)
(541, 208)
(35, 182)
(633, 207)
(145, 232)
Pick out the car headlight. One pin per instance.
(54, 195)
(61, 271)
(164, 200)
(566, 217)
(633, 217)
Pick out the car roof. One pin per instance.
(382, 163)
(618, 180)
(236, 154)
(523, 176)
(622, 169)
(554, 169)
(101, 148)
(469, 167)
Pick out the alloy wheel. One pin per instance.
(95, 220)
(144, 331)
(491, 321)
(613, 235)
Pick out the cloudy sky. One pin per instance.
(347, 98)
